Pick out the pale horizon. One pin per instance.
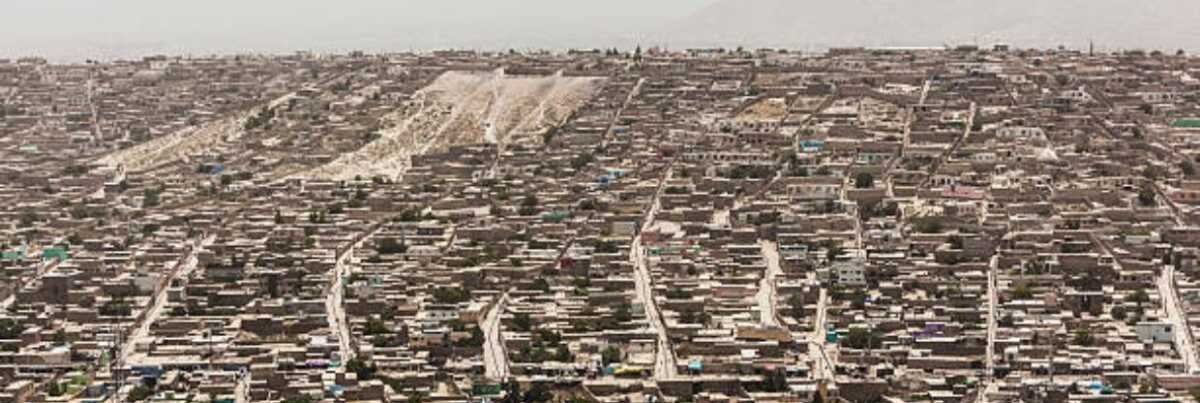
(73, 31)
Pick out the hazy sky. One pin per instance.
(76, 29)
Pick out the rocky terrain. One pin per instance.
(466, 108)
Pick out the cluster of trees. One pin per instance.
(76, 170)
(528, 206)
(766, 218)
(1146, 197)
(538, 284)
(261, 119)
(28, 218)
(391, 246)
(582, 160)
(475, 341)
(879, 210)
(864, 181)
(775, 381)
(795, 309)
(928, 226)
(10, 329)
(607, 247)
(451, 295)
(863, 338)
(1022, 291)
(676, 190)
(319, 216)
(610, 355)
(522, 322)
(538, 393)
(694, 317)
(622, 313)
(150, 197)
(750, 172)
(409, 215)
(83, 211)
(546, 346)
(116, 307)
(376, 327)
(1083, 337)
(359, 199)
(365, 370)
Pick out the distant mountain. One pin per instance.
(1112, 24)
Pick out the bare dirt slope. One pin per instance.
(178, 145)
(466, 108)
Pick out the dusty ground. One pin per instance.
(767, 109)
(466, 108)
(178, 145)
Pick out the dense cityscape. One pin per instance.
(967, 224)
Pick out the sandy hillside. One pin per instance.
(466, 108)
(177, 146)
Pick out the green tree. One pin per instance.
(390, 246)
(1022, 291)
(1195, 393)
(142, 392)
(56, 389)
(609, 355)
(623, 312)
(928, 227)
(364, 370)
(582, 160)
(540, 284)
(796, 307)
(27, 219)
(864, 181)
(538, 393)
(775, 381)
(563, 354)
(955, 242)
(376, 327)
(1146, 197)
(150, 197)
(450, 295)
(1083, 337)
(522, 321)
(1139, 297)
(861, 338)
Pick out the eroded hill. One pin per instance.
(466, 108)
